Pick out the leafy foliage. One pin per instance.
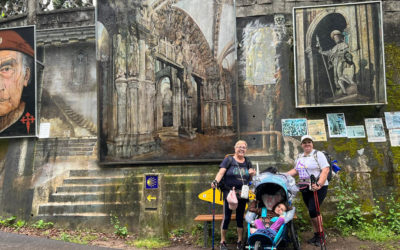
(41, 224)
(384, 224)
(349, 215)
(150, 243)
(8, 221)
(393, 216)
(19, 224)
(119, 230)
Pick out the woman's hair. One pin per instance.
(239, 142)
(271, 169)
(284, 203)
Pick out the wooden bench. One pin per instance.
(207, 218)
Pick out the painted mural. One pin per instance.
(339, 55)
(167, 78)
(265, 91)
(17, 82)
(68, 99)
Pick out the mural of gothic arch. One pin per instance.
(166, 81)
(339, 55)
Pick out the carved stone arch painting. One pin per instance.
(165, 73)
(339, 55)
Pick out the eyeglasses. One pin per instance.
(306, 142)
(241, 147)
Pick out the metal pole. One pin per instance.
(213, 218)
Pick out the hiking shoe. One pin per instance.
(318, 241)
(313, 239)
(223, 246)
(239, 245)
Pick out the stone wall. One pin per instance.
(39, 176)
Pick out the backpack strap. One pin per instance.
(316, 159)
(230, 160)
(249, 164)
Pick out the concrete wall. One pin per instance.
(59, 178)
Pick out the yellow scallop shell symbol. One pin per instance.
(151, 182)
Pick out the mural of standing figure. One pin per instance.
(336, 59)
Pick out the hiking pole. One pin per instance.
(319, 219)
(213, 218)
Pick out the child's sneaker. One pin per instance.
(223, 246)
(239, 245)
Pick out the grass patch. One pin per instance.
(149, 243)
(79, 239)
(376, 234)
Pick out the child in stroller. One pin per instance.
(273, 193)
(263, 226)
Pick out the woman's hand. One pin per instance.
(218, 178)
(252, 172)
(316, 186)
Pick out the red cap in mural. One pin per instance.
(11, 40)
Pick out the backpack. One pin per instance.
(221, 184)
(333, 168)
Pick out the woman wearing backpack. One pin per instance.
(236, 171)
(312, 162)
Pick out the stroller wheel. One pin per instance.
(257, 246)
(294, 238)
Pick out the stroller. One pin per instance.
(271, 189)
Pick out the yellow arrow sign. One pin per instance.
(208, 196)
(149, 198)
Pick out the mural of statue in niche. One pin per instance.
(166, 93)
(167, 51)
(339, 55)
(79, 70)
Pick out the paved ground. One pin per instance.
(24, 242)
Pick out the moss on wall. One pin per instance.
(392, 55)
(348, 146)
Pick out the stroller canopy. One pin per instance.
(277, 187)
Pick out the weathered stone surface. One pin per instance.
(391, 6)
(33, 172)
(264, 1)
(245, 2)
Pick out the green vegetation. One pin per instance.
(8, 221)
(379, 223)
(41, 224)
(150, 243)
(119, 230)
(81, 238)
(302, 221)
(197, 233)
(177, 233)
(20, 224)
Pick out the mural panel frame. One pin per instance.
(339, 55)
(18, 110)
(167, 81)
